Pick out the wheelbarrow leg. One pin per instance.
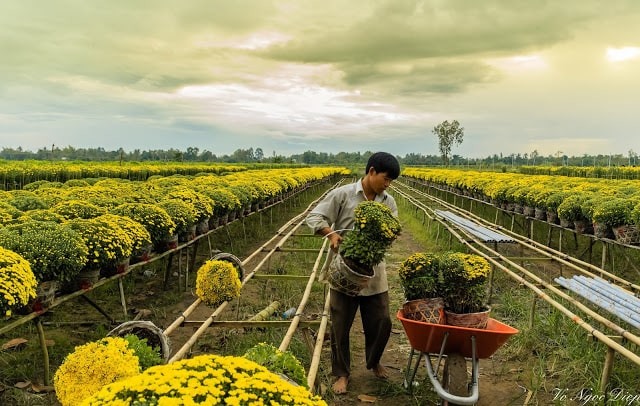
(410, 372)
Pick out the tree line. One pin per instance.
(256, 155)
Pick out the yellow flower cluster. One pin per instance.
(474, 266)
(91, 366)
(205, 380)
(217, 281)
(17, 282)
(418, 264)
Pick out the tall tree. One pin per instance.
(448, 133)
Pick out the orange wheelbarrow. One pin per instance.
(453, 345)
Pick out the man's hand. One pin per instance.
(335, 240)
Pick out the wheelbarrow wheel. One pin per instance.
(454, 377)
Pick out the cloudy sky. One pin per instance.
(290, 76)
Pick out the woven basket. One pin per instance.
(627, 234)
(344, 279)
(427, 310)
(602, 230)
(145, 329)
(469, 320)
(224, 256)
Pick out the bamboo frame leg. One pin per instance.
(604, 255)
(122, 298)
(491, 282)
(167, 270)
(99, 309)
(45, 351)
(226, 227)
(606, 370)
(532, 313)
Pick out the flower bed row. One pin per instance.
(63, 229)
(606, 208)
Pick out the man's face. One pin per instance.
(379, 181)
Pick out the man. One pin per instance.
(331, 218)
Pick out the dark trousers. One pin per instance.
(376, 323)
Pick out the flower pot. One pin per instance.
(141, 255)
(168, 244)
(84, 280)
(187, 235)
(344, 279)
(552, 217)
(540, 214)
(602, 230)
(46, 294)
(232, 216)
(468, 320)
(429, 310)
(627, 234)
(583, 226)
(567, 223)
(214, 222)
(528, 211)
(202, 227)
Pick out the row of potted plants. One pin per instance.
(608, 208)
(83, 225)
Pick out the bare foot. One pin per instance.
(340, 386)
(380, 371)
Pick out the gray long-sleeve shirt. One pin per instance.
(336, 210)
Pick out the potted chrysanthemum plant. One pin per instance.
(217, 281)
(464, 288)
(421, 282)
(375, 229)
(17, 282)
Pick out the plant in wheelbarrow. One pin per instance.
(421, 282)
(375, 229)
(464, 288)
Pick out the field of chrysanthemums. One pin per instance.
(65, 225)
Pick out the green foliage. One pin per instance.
(73, 209)
(147, 356)
(24, 200)
(613, 212)
(420, 276)
(571, 207)
(182, 214)
(55, 251)
(375, 230)
(278, 362)
(464, 278)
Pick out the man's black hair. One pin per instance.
(384, 162)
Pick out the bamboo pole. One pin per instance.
(315, 359)
(45, 351)
(266, 312)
